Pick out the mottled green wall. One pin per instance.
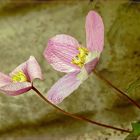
(24, 30)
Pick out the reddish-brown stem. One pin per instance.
(78, 117)
(118, 90)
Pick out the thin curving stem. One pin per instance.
(118, 90)
(76, 116)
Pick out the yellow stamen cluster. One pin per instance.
(19, 77)
(80, 59)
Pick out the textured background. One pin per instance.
(25, 27)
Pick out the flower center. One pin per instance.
(19, 77)
(80, 59)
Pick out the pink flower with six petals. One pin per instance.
(20, 80)
(65, 54)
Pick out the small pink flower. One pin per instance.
(20, 80)
(65, 54)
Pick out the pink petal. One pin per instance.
(63, 88)
(21, 67)
(14, 89)
(4, 79)
(91, 65)
(33, 69)
(94, 32)
(30, 68)
(60, 51)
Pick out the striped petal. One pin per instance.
(63, 88)
(94, 32)
(30, 68)
(33, 69)
(91, 65)
(60, 51)
(22, 67)
(14, 89)
(4, 79)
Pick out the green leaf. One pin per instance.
(135, 134)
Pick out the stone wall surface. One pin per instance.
(25, 27)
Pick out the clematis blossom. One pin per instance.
(65, 54)
(20, 80)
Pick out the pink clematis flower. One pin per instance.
(65, 54)
(20, 80)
